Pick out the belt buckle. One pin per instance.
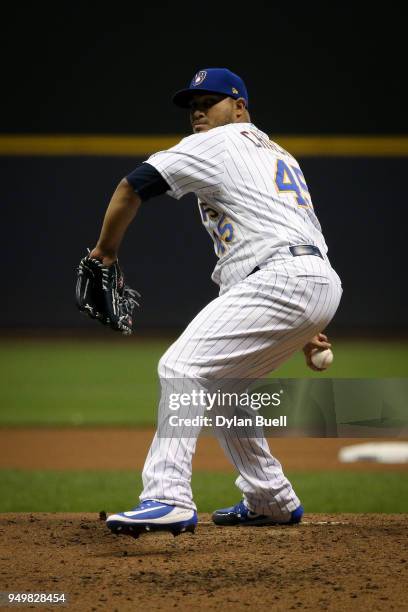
(305, 249)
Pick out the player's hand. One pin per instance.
(106, 258)
(319, 341)
(102, 294)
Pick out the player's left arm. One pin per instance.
(121, 211)
(319, 341)
(140, 185)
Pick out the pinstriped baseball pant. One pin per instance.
(245, 333)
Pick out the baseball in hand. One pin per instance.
(322, 358)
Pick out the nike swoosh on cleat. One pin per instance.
(130, 514)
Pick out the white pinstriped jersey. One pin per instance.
(252, 196)
(254, 202)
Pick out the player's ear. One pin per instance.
(240, 107)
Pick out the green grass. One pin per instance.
(64, 382)
(79, 383)
(92, 491)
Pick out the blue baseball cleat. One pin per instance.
(152, 516)
(241, 515)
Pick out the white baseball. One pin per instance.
(322, 358)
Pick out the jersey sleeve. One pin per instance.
(194, 165)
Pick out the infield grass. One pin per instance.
(62, 382)
(114, 491)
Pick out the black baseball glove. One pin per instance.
(102, 294)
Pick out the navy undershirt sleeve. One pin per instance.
(147, 182)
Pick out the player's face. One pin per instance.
(208, 111)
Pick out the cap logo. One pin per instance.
(199, 77)
(234, 91)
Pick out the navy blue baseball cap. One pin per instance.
(212, 80)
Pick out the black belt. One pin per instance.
(297, 251)
(305, 249)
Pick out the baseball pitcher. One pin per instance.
(278, 292)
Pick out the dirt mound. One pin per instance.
(336, 562)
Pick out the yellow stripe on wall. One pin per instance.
(85, 145)
(139, 146)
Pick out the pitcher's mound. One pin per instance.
(329, 562)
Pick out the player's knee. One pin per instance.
(175, 363)
(162, 367)
(168, 366)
